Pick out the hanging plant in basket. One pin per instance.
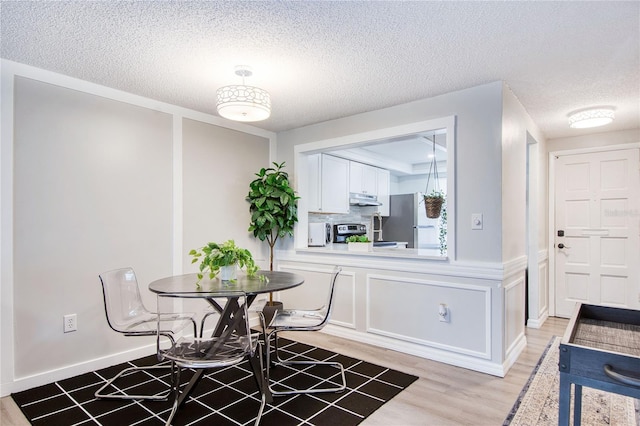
(433, 203)
(433, 200)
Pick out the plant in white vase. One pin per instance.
(223, 259)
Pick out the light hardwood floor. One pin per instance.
(443, 394)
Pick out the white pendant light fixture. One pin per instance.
(592, 117)
(243, 103)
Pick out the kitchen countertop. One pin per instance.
(406, 253)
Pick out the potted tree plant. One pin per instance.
(223, 258)
(274, 209)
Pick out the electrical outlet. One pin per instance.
(70, 323)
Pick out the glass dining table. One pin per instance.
(263, 282)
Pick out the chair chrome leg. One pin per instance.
(280, 361)
(275, 346)
(263, 392)
(262, 404)
(175, 381)
(159, 397)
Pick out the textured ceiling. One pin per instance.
(324, 60)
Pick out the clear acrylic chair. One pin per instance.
(127, 314)
(301, 320)
(232, 343)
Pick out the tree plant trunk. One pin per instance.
(272, 307)
(271, 257)
(271, 245)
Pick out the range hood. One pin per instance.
(357, 199)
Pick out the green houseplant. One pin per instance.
(433, 203)
(273, 207)
(358, 243)
(215, 257)
(442, 233)
(433, 200)
(357, 239)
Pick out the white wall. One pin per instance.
(516, 125)
(594, 140)
(518, 130)
(478, 112)
(219, 164)
(543, 199)
(92, 192)
(414, 183)
(95, 179)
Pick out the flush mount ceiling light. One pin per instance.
(243, 103)
(593, 117)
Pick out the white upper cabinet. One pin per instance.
(314, 168)
(331, 179)
(363, 178)
(328, 184)
(383, 182)
(335, 185)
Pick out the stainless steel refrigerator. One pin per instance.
(408, 222)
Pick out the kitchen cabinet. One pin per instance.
(365, 179)
(362, 178)
(314, 165)
(328, 184)
(383, 178)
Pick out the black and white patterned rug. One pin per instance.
(223, 397)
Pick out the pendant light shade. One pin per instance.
(241, 102)
(591, 118)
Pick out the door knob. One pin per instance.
(561, 246)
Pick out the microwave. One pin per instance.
(319, 234)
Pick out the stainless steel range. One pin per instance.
(343, 230)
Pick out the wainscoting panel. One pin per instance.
(407, 309)
(394, 304)
(539, 293)
(514, 311)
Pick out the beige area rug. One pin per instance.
(537, 404)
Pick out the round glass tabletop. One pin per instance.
(273, 281)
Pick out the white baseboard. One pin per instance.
(46, 377)
(538, 322)
(514, 352)
(446, 357)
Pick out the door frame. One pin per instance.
(552, 208)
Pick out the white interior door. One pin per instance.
(597, 200)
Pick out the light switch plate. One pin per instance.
(476, 221)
